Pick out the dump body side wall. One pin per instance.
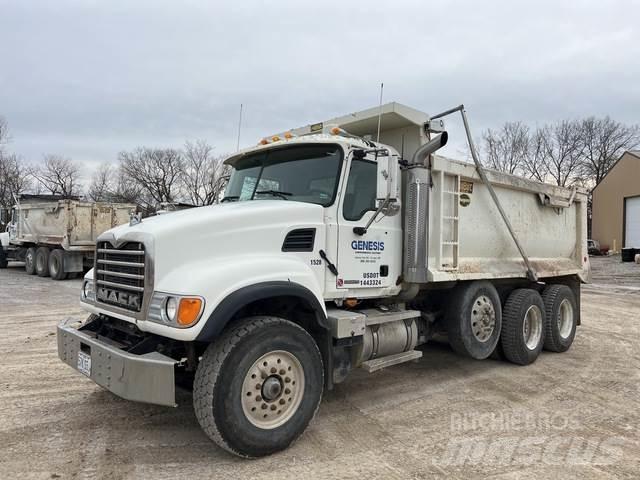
(70, 224)
(469, 239)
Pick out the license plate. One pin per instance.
(84, 363)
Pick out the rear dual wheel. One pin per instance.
(474, 319)
(532, 322)
(56, 265)
(42, 261)
(523, 326)
(561, 310)
(30, 261)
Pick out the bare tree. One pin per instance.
(102, 185)
(59, 175)
(603, 141)
(204, 174)
(156, 171)
(507, 149)
(4, 133)
(14, 179)
(561, 151)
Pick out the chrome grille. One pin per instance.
(119, 275)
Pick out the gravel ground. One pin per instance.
(571, 415)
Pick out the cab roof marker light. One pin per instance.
(264, 141)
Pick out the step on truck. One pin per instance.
(340, 245)
(55, 236)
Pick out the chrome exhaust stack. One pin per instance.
(417, 182)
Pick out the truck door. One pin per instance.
(372, 261)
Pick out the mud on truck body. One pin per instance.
(55, 236)
(329, 252)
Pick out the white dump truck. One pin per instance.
(340, 245)
(56, 236)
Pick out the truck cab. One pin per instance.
(329, 251)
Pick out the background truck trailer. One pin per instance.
(330, 251)
(56, 236)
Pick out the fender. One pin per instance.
(228, 307)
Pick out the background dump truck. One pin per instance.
(340, 245)
(56, 236)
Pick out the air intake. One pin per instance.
(300, 240)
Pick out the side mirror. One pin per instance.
(387, 187)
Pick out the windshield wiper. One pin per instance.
(275, 193)
(229, 198)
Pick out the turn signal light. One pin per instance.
(189, 311)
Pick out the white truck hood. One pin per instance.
(209, 234)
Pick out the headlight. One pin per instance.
(175, 310)
(87, 290)
(170, 308)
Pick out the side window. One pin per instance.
(360, 196)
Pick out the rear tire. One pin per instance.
(251, 409)
(562, 317)
(56, 265)
(474, 319)
(42, 261)
(30, 261)
(523, 326)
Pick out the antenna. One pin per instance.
(239, 128)
(380, 112)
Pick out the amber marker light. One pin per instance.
(189, 311)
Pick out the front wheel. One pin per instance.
(258, 386)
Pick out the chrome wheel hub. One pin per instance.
(483, 318)
(532, 327)
(565, 318)
(272, 389)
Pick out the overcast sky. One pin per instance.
(87, 79)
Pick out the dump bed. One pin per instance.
(71, 224)
(468, 238)
(465, 235)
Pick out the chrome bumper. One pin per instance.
(145, 378)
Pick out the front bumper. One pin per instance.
(148, 378)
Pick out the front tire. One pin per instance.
(258, 386)
(474, 319)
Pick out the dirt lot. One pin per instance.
(572, 415)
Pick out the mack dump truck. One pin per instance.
(340, 245)
(56, 236)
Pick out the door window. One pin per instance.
(360, 196)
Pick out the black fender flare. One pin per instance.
(231, 304)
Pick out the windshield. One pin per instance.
(306, 173)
